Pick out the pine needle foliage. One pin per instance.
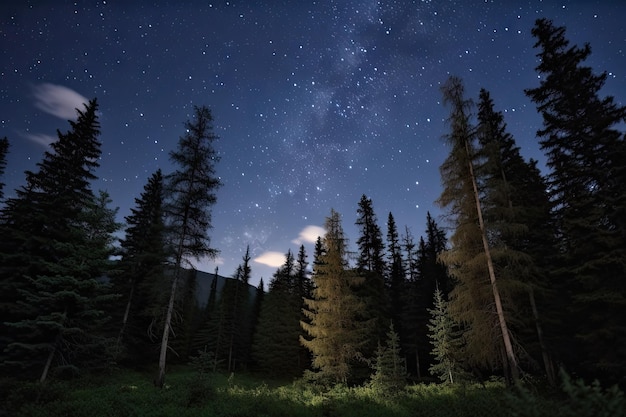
(335, 333)
(446, 341)
(586, 154)
(57, 240)
(190, 194)
(388, 365)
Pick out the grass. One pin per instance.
(187, 394)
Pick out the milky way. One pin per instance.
(315, 103)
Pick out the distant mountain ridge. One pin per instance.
(203, 286)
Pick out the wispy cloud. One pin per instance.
(309, 235)
(58, 100)
(40, 138)
(273, 259)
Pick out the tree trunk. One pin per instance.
(125, 319)
(547, 362)
(417, 364)
(508, 346)
(46, 368)
(160, 380)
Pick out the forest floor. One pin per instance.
(188, 393)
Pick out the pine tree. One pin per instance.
(431, 273)
(585, 153)
(370, 241)
(389, 368)
(336, 335)
(56, 244)
(231, 325)
(190, 192)
(241, 331)
(304, 290)
(371, 267)
(204, 333)
(141, 269)
(395, 272)
(4, 150)
(445, 340)
(514, 202)
(276, 345)
(476, 303)
(409, 335)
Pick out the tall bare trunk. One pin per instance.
(417, 364)
(160, 380)
(547, 362)
(506, 337)
(125, 319)
(46, 368)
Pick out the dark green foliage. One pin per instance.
(229, 332)
(395, 277)
(446, 342)
(206, 324)
(516, 211)
(586, 156)
(428, 273)
(336, 333)
(204, 362)
(371, 267)
(189, 394)
(190, 195)
(389, 367)
(140, 274)
(277, 348)
(57, 239)
(370, 241)
(190, 190)
(481, 306)
(575, 399)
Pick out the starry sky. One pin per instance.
(315, 102)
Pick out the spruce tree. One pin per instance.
(477, 303)
(370, 241)
(140, 277)
(277, 346)
(204, 333)
(371, 267)
(586, 154)
(409, 335)
(446, 341)
(514, 203)
(190, 194)
(431, 273)
(304, 290)
(335, 333)
(230, 326)
(241, 330)
(55, 250)
(395, 272)
(389, 368)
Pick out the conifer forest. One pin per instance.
(520, 285)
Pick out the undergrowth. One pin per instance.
(188, 393)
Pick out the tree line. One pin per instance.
(527, 275)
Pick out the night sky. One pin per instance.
(315, 102)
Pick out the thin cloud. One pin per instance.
(273, 259)
(40, 138)
(58, 100)
(309, 235)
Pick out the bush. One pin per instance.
(36, 393)
(576, 399)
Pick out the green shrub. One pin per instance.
(25, 393)
(576, 399)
